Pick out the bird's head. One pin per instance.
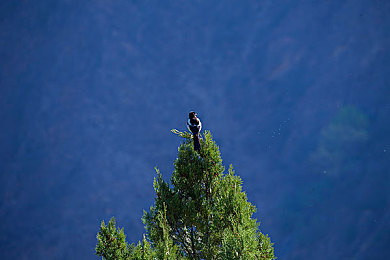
(192, 114)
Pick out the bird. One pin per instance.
(194, 125)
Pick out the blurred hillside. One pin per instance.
(296, 94)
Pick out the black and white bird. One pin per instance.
(194, 125)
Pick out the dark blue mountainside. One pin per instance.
(296, 93)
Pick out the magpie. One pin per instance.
(194, 125)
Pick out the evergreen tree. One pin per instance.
(203, 214)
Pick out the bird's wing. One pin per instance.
(189, 125)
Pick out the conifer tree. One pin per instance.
(202, 214)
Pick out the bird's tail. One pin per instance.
(196, 142)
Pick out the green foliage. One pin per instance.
(112, 245)
(203, 214)
(143, 251)
(165, 248)
(111, 242)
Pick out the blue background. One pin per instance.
(296, 94)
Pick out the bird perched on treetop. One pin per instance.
(194, 125)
